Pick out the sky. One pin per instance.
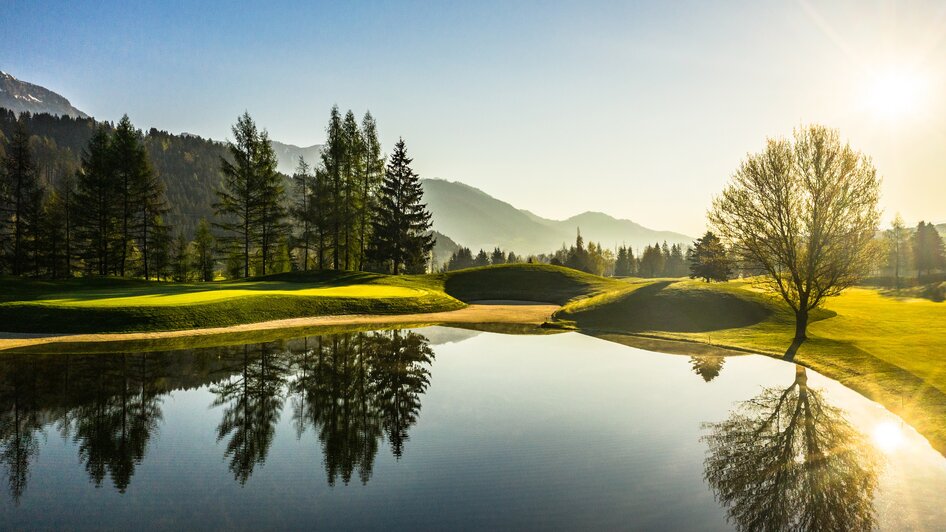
(642, 110)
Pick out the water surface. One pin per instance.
(440, 427)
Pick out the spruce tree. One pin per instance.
(709, 259)
(333, 161)
(204, 251)
(98, 204)
(373, 172)
(353, 172)
(251, 199)
(21, 198)
(302, 208)
(401, 226)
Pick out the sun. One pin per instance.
(896, 93)
(888, 436)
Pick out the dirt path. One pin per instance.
(515, 312)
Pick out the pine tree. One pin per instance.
(333, 161)
(898, 248)
(98, 204)
(401, 226)
(709, 259)
(302, 208)
(132, 170)
(251, 200)
(497, 257)
(353, 179)
(481, 259)
(373, 171)
(21, 198)
(181, 258)
(204, 251)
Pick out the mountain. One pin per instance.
(477, 220)
(21, 96)
(288, 156)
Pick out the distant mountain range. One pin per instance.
(288, 156)
(21, 96)
(477, 220)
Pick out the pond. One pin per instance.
(449, 428)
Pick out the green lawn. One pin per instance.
(890, 349)
(121, 305)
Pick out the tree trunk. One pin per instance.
(801, 324)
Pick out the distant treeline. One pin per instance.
(87, 198)
(657, 260)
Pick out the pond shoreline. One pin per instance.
(478, 312)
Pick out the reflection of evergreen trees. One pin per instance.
(787, 460)
(707, 366)
(107, 405)
(254, 398)
(351, 390)
(354, 389)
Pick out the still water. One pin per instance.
(446, 428)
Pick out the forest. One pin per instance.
(83, 198)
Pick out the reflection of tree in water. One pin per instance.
(787, 460)
(20, 426)
(105, 404)
(707, 366)
(254, 398)
(352, 389)
(114, 423)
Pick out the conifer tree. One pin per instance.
(204, 251)
(21, 197)
(709, 259)
(353, 171)
(98, 204)
(898, 248)
(401, 227)
(373, 172)
(302, 208)
(333, 162)
(251, 199)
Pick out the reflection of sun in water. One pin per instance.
(895, 93)
(888, 436)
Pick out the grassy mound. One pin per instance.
(526, 282)
(116, 305)
(672, 306)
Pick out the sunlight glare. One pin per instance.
(888, 436)
(896, 93)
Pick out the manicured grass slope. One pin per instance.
(891, 350)
(526, 282)
(118, 305)
(98, 305)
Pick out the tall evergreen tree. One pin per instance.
(251, 198)
(204, 251)
(133, 174)
(98, 204)
(353, 170)
(333, 162)
(373, 172)
(21, 199)
(401, 227)
(898, 248)
(928, 249)
(302, 208)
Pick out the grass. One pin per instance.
(116, 305)
(120, 305)
(891, 349)
(526, 282)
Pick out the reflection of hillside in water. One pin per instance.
(788, 460)
(351, 390)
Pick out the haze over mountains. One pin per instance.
(477, 220)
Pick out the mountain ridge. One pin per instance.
(477, 220)
(22, 96)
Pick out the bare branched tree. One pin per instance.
(804, 213)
